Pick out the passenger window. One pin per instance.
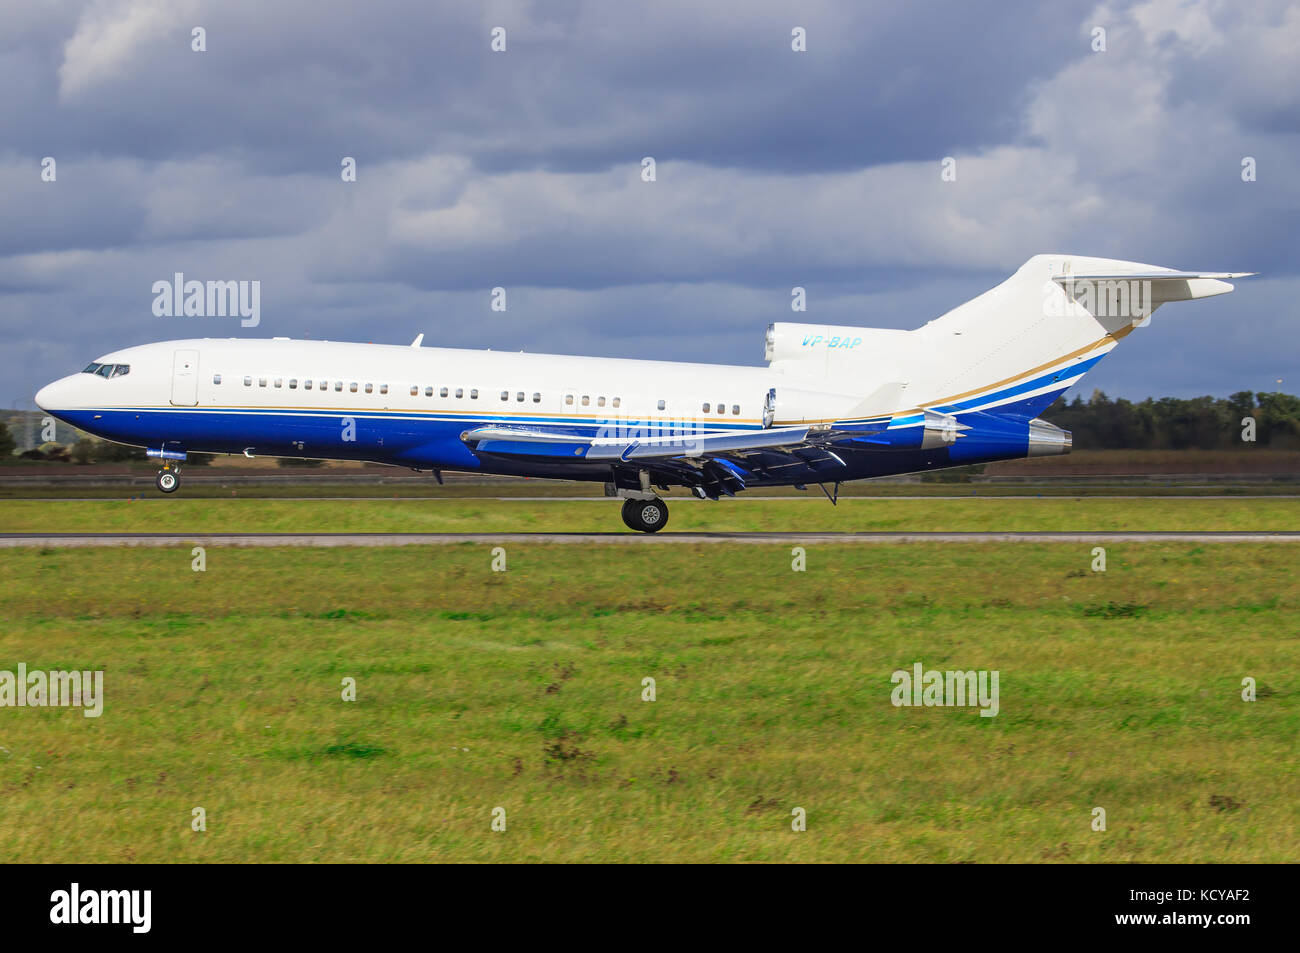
(352, 387)
(261, 382)
(568, 400)
(293, 383)
(248, 381)
(662, 405)
(735, 409)
(443, 392)
(505, 395)
(414, 390)
(460, 392)
(600, 401)
(537, 398)
(722, 408)
(306, 385)
(383, 388)
(617, 400)
(338, 385)
(216, 378)
(428, 391)
(473, 395)
(279, 382)
(519, 395)
(706, 408)
(370, 388)
(586, 401)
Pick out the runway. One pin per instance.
(70, 540)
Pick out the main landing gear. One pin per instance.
(645, 516)
(169, 478)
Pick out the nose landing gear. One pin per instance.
(169, 478)
(645, 516)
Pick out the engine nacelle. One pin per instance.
(786, 406)
(786, 341)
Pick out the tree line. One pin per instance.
(1173, 423)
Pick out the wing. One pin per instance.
(709, 462)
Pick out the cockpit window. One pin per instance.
(108, 370)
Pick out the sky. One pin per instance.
(522, 169)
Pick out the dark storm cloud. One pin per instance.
(582, 87)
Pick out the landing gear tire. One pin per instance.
(168, 481)
(645, 516)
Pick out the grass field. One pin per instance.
(522, 690)
(815, 514)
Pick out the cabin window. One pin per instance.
(428, 391)
(293, 383)
(473, 394)
(722, 408)
(370, 388)
(306, 385)
(352, 387)
(706, 408)
(735, 409)
(537, 398)
(443, 392)
(505, 395)
(338, 385)
(600, 401)
(383, 388)
(617, 401)
(568, 400)
(248, 381)
(279, 382)
(519, 395)
(216, 378)
(586, 401)
(415, 390)
(460, 392)
(261, 382)
(662, 404)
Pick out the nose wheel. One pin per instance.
(169, 479)
(645, 516)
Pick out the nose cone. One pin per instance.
(56, 396)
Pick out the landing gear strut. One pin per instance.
(645, 516)
(169, 478)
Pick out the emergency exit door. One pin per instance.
(185, 378)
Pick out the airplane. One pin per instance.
(833, 404)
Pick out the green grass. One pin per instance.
(739, 515)
(522, 690)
